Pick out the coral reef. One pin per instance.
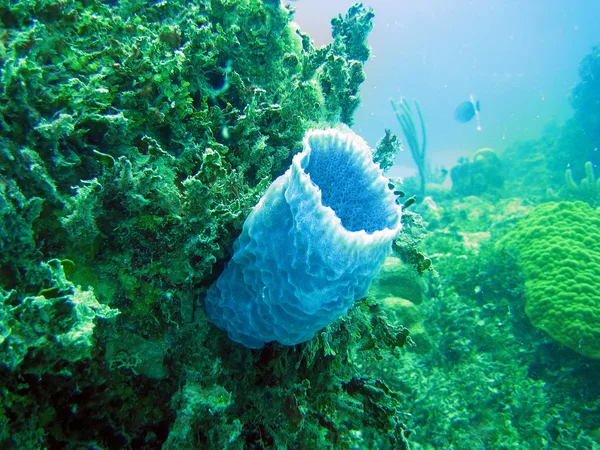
(526, 170)
(588, 189)
(577, 140)
(135, 139)
(558, 245)
(386, 150)
(51, 329)
(482, 377)
(479, 375)
(482, 174)
(319, 394)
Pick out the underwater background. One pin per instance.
(198, 250)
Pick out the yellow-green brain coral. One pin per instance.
(559, 248)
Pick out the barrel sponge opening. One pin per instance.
(310, 247)
(349, 181)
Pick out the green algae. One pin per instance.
(136, 137)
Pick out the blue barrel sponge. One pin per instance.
(310, 247)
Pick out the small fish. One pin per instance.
(467, 110)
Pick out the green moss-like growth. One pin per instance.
(480, 376)
(323, 394)
(136, 137)
(559, 248)
(486, 378)
(175, 119)
(52, 328)
(387, 149)
(45, 340)
(405, 245)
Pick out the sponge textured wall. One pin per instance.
(310, 247)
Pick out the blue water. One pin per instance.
(519, 58)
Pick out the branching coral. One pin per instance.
(588, 189)
(54, 327)
(386, 150)
(406, 119)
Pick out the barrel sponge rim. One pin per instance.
(371, 177)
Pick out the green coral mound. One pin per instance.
(559, 248)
